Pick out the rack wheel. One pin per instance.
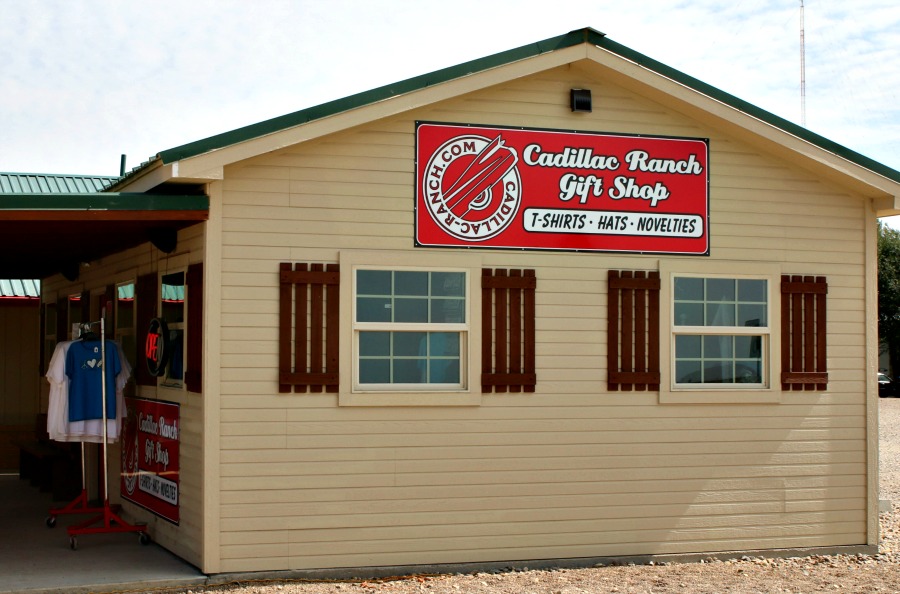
(144, 538)
(73, 543)
(50, 521)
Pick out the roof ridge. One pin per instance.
(573, 38)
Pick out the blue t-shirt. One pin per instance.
(83, 363)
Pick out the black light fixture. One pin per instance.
(581, 100)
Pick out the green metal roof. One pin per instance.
(45, 183)
(20, 289)
(573, 38)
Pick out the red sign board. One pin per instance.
(516, 188)
(150, 466)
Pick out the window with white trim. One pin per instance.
(172, 310)
(721, 332)
(410, 329)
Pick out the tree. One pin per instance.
(889, 292)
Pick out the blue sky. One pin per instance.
(86, 81)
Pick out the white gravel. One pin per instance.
(820, 573)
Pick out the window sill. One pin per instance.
(720, 397)
(409, 399)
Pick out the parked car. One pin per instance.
(886, 385)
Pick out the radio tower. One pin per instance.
(802, 70)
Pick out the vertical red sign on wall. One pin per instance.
(150, 467)
(518, 188)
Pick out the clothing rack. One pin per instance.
(106, 519)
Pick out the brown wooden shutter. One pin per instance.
(193, 375)
(309, 323)
(145, 292)
(507, 330)
(803, 344)
(62, 319)
(632, 355)
(85, 306)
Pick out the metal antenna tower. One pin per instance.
(802, 69)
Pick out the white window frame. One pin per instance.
(764, 392)
(467, 392)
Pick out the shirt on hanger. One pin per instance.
(59, 427)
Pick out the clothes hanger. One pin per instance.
(87, 333)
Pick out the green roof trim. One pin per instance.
(573, 38)
(103, 201)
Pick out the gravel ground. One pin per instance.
(838, 573)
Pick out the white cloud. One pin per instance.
(87, 80)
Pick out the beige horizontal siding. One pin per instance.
(571, 470)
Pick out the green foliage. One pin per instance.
(889, 291)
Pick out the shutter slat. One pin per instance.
(612, 329)
(285, 312)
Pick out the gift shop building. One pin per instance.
(562, 302)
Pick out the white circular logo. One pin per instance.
(472, 187)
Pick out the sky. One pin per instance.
(83, 82)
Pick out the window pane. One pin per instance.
(410, 283)
(720, 289)
(373, 309)
(374, 371)
(719, 314)
(718, 372)
(752, 315)
(448, 284)
(752, 291)
(688, 314)
(411, 310)
(444, 371)
(718, 347)
(443, 344)
(377, 344)
(448, 311)
(748, 346)
(748, 371)
(688, 347)
(409, 371)
(373, 282)
(688, 289)
(409, 344)
(688, 372)
(175, 366)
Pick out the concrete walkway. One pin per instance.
(35, 559)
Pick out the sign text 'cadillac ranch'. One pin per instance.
(543, 189)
